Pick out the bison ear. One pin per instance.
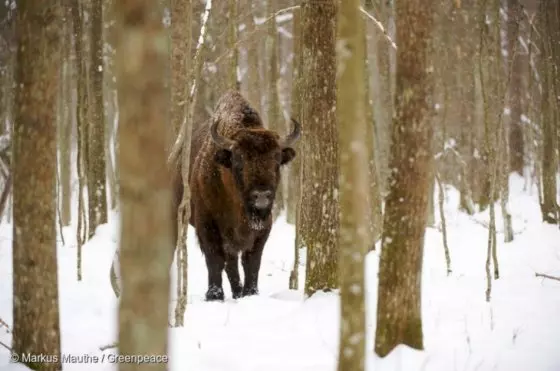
(223, 157)
(288, 154)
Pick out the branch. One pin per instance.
(547, 276)
(109, 346)
(380, 26)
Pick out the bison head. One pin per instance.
(254, 157)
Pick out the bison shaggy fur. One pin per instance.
(233, 176)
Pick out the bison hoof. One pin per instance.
(250, 291)
(236, 294)
(215, 294)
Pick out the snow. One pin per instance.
(278, 330)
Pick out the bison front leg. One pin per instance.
(232, 270)
(251, 261)
(211, 245)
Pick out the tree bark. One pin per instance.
(275, 121)
(181, 39)
(65, 126)
(294, 170)
(36, 328)
(146, 219)
(354, 184)
(399, 318)
(96, 174)
(319, 201)
(516, 142)
(549, 206)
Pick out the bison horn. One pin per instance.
(220, 140)
(293, 136)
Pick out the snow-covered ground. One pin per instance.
(279, 330)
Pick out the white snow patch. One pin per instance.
(279, 330)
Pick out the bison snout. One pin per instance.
(261, 199)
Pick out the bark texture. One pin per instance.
(516, 142)
(145, 196)
(96, 172)
(36, 329)
(399, 304)
(319, 202)
(354, 185)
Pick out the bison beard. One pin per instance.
(234, 173)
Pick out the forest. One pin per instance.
(303, 185)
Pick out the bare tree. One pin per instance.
(516, 142)
(354, 184)
(319, 200)
(399, 318)
(36, 328)
(96, 174)
(145, 196)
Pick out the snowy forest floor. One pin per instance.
(278, 330)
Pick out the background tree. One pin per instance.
(354, 184)
(399, 318)
(36, 328)
(516, 147)
(96, 172)
(145, 196)
(319, 199)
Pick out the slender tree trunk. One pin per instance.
(81, 117)
(549, 206)
(296, 111)
(275, 121)
(180, 62)
(65, 127)
(319, 202)
(253, 77)
(399, 318)
(354, 184)
(97, 177)
(146, 217)
(382, 88)
(233, 82)
(375, 217)
(516, 142)
(36, 328)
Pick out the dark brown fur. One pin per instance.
(221, 182)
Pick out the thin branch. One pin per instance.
(109, 346)
(380, 26)
(542, 275)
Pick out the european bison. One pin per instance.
(234, 172)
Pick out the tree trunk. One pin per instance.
(253, 76)
(180, 68)
(275, 121)
(146, 242)
(354, 184)
(36, 327)
(96, 175)
(65, 127)
(319, 193)
(232, 83)
(399, 318)
(381, 87)
(375, 215)
(516, 143)
(549, 207)
(81, 118)
(294, 170)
